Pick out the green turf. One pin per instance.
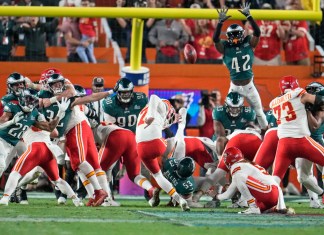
(43, 216)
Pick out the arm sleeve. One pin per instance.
(153, 106)
(217, 33)
(201, 116)
(255, 27)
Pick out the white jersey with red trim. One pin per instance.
(291, 114)
(261, 179)
(77, 116)
(160, 110)
(34, 134)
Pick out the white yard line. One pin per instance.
(73, 220)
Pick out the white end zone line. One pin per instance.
(174, 221)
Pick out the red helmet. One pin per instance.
(232, 155)
(288, 82)
(46, 74)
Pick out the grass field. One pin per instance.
(44, 216)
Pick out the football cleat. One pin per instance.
(315, 203)
(90, 202)
(100, 196)
(184, 204)
(110, 202)
(154, 194)
(22, 196)
(4, 201)
(251, 211)
(192, 204)
(77, 202)
(61, 201)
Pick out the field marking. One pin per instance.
(72, 220)
(223, 219)
(161, 216)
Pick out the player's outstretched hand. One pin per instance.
(245, 9)
(222, 17)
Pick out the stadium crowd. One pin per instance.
(54, 125)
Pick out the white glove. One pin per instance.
(19, 116)
(63, 106)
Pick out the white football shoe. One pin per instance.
(61, 201)
(4, 201)
(110, 202)
(315, 203)
(77, 202)
(251, 211)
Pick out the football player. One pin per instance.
(238, 57)
(158, 115)
(293, 131)
(124, 107)
(80, 144)
(231, 116)
(254, 183)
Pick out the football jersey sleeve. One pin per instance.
(218, 113)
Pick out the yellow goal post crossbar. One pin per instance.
(160, 13)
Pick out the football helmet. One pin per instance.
(125, 90)
(46, 74)
(80, 91)
(16, 84)
(234, 104)
(56, 83)
(288, 83)
(314, 88)
(186, 167)
(171, 114)
(235, 34)
(28, 100)
(232, 155)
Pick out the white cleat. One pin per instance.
(77, 202)
(23, 202)
(61, 201)
(110, 202)
(184, 204)
(155, 199)
(251, 211)
(238, 204)
(315, 203)
(4, 201)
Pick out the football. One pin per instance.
(190, 54)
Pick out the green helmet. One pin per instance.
(125, 90)
(80, 91)
(315, 88)
(186, 167)
(234, 104)
(13, 80)
(53, 79)
(28, 100)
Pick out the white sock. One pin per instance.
(89, 172)
(143, 182)
(86, 183)
(164, 183)
(11, 183)
(64, 187)
(30, 176)
(102, 179)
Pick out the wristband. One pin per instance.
(53, 99)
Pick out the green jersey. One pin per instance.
(272, 121)
(230, 123)
(125, 115)
(239, 59)
(182, 186)
(9, 98)
(13, 133)
(51, 112)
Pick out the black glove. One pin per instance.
(245, 9)
(309, 107)
(222, 17)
